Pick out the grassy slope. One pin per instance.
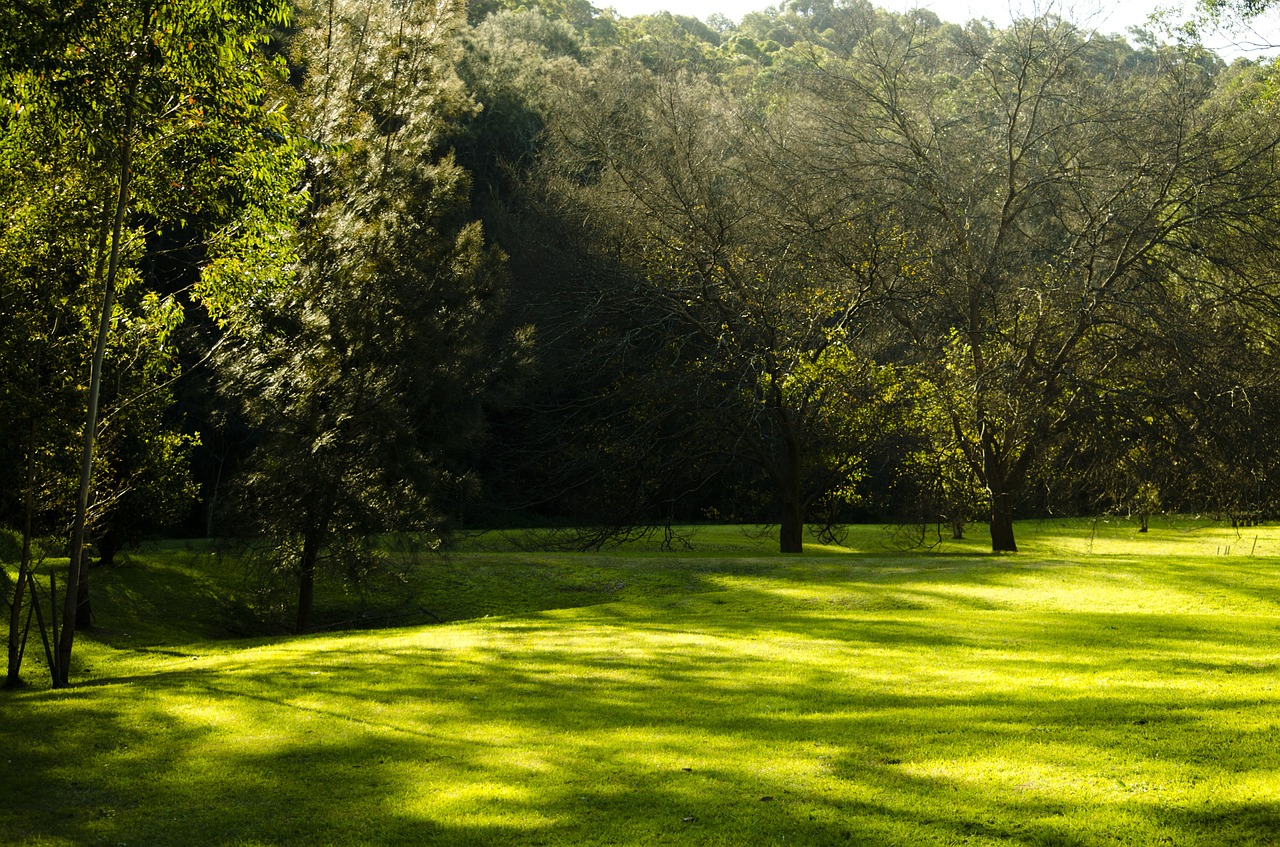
(1100, 688)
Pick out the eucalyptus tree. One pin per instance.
(735, 329)
(1236, 18)
(155, 113)
(1047, 185)
(366, 376)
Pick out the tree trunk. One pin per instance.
(1002, 523)
(791, 536)
(998, 478)
(307, 581)
(13, 678)
(212, 505)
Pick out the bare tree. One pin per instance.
(726, 295)
(1047, 184)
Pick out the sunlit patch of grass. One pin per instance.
(872, 698)
(1074, 537)
(1169, 535)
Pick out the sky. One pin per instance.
(1107, 16)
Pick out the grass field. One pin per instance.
(1099, 688)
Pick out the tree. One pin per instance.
(743, 323)
(366, 376)
(506, 64)
(1045, 193)
(158, 104)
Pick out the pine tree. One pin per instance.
(369, 373)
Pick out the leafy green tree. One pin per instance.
(510, 62)
(367, 375)
(156, 110)
(830, 26)
(594, 25)
(41, 349)
(667, 42)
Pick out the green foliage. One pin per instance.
(46, 248)
(1042, 180)
(198, 90)
(770, 264)
(366, 376)
(1028, 210)
(508, 62)
(739, 311)
(593, 25)
(143, 474)
(667, 42)
(140, 105)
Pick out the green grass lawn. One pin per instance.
(1100, 688)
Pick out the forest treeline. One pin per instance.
(317, 272)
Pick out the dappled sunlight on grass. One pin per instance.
(1168, 536)
(872, 700)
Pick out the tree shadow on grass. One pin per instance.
(168, 601)
(760, 729)
(534, 757)
(886, 709)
